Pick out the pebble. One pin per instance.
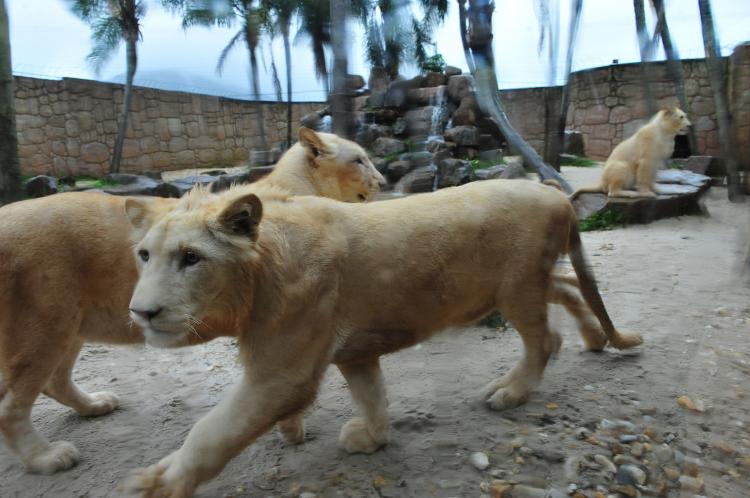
(693, 484)
(605, 463)
(525, 451)
(663, 453)
(582, 433)
(519, 460)
(499, 488)
(517, 443)
(672, 473)
(630, 474)
(628, 438)
(625, 489)
(588, 387)
(479, 460)
(636, 449)
(692, 447)
(572, 467)
(523, 491)
(307, 494)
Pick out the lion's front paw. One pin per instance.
(355, 437)
(102, 403)
(153, 482)
(503, 395)
(61, 455)
(292, 430)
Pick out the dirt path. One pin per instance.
(674, 280)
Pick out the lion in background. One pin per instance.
(630, 170)
(67, 273)
(310, 282)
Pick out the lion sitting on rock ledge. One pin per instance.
(310, 282)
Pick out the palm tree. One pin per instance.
(282, 12)
(646, 50)
(674, 66)
(114, 21)
(10, 171)
(316, 23)
(340, 97)
(224, 14)
(723, 116)
(479, 32)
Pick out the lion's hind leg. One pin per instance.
(18, 390)
(367, 433)
(564, 291)
(292, 428)
(62, 388)
(528, 315)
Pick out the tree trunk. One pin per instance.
(644, 47)
(480, 43)
(575, 19)
(132, 63)
(465, 36)
(256, 95)
(340, 98)
(716, 78)
(674, 66)
(10, 170)
(288, 59)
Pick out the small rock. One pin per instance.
(525, 451)
(523, 491)
(582, 433)
(519, 460)
(630, 474)
(572, 468)
(692, 484)
(606, 463)
(40, 186)
(691, 446)
(628, 438)
(664, 453)
(625, 489)
(307, 494)
(588, 387)
(517, 443)
(693, 405)
(500, 489)
(636, 449)
(479, 460)
(671, 473)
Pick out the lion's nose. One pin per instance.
(146, 314)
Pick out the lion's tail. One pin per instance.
(590, 292)
(594, 189)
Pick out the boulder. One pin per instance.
(427, 96)
(368, 134)
(513, 170)
(396, 170)
(468, 112)
(460, 86)
(490, 173)
(462, 136)
(144, 186)
(385, 116)
(420, 180)
(453, 172)
(253, 174)
(122, 178)
(433, 79)
(397, 94)
(417, 159)
(706, 165)
(214, 172)
(452, 71)
(384, 146)
(400, 126)
(494, 156)
(185, 184)
(40, 186)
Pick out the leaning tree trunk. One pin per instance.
(288, 60)
(340, 98)
(645, 49)
(10, 170)
(716, 78)
(674, 66)
(565, 94)
(256, 95)
(122, 126)
(480, 43)
(465, 36)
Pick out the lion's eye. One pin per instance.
(143, 254)
(360, 161)
(189, 258)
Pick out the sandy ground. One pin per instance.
(675, 280)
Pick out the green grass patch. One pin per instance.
(391, 157)
(578, 161)
(603, 220)
(91, 182)
(675, 165)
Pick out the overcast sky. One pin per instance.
(48, 41)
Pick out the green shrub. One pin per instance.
(435, 64)
(579, 161)
(603, 220)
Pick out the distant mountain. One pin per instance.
(181, 80)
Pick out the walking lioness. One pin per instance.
(310, 282)
(67, 273)
(631, 168)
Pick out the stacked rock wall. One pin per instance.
(68, 127)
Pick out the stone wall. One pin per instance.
(739, 98)
(68, 127)
(526, 110)
(607, 104)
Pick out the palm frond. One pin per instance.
(228, 48)
(106, 36)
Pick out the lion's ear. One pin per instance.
(667, 111)
(242, 216)
(137, 212)
(312, 143)
(143, 213)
